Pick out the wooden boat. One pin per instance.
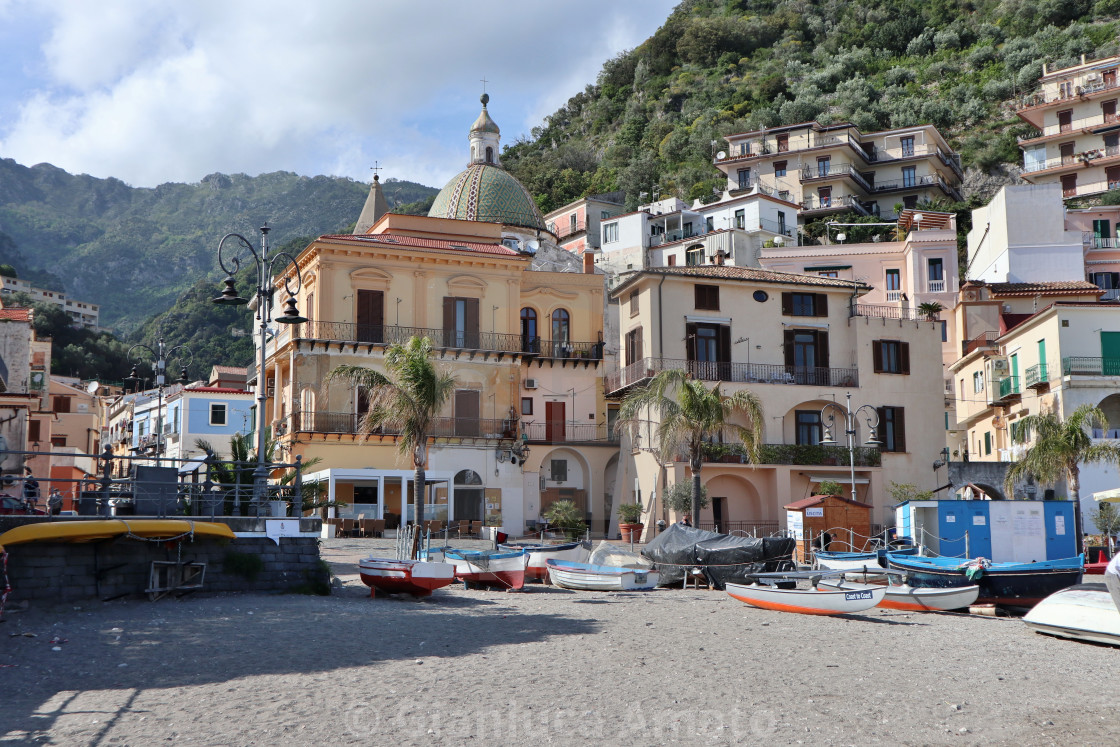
(856, 561)
(569, 574)
(1009, 584)
(909, 598)
(413, 577)
(811, 601)
(89, 531)
(503, 570)
(539, 553)
(1085, 612)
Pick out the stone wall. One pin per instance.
(120, 567)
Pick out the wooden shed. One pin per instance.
(848, 521)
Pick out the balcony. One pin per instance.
(936, 286)
(1009, 388)
(802, 454)
(880, 311)
(1092, 241)
(1082, 366)
(982, 340)
(918, 182)
(564, 230)
(745, 373)
(1085, 158)
(1037, 376)
(381, 335)
(834, 171)
(347, 423)
(569, 432)
(818, 204)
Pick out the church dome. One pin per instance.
(489, 193)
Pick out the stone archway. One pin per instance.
(735, 505)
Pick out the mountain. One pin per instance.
(134, 250)
(655, 115)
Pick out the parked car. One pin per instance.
(10, 505)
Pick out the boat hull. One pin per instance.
(537, 570)
(90, 531)
(405, 576)
(1085, 612)
(501, 570)
(809, 601)
(1008, 584)
(586, 577)
(913, 599)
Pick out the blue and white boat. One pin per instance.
(493, 568)
(1009, 584)
(569, 574)
(857, 561)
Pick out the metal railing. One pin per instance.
(879, 311)
(1085, 157)
(1076, 124)
(745, 528)
(567, 432)
(384, 334)
(1099, 242)
(1008, 386)
(815, 202)
(774, 226)
(314, 421)
(1076, 365)
(563, 230)
(808, 173)
(1080, 85)
(1036, 375)
(819, 454)
(982, 340)
(749, 373)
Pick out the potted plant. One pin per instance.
(829, 487)
(567, 516)
(629, 521)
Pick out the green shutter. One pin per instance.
(987, 443)
(1110, 353)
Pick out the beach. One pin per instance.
(544, 666)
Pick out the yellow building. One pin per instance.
(799, 342)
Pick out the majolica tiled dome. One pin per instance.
(487, 193)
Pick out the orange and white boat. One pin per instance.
(415, 577)
(811, 601)
(914, 599)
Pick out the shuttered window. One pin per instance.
(804, 304)
(892, 429)
(707, 297)
(891, 356)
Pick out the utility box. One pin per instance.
(1002, 531)
(848, 521)
(155, 491)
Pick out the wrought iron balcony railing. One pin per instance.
(749, 373)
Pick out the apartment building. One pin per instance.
(799, 342)
(827, 169)
(1078, 141)
(83, 313)
(577, 224)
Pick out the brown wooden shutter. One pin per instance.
(787, 303)
(789, 333)
(904, 356)
(822, 349)
(881, 429)
(690, 341)
(640, 353)
(472, 316)
(877, 355)
(448, 314)
(820, 304)
(723, 350)
(33, 433)
(900, 428)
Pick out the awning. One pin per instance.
(842, 479)
(1107, 496)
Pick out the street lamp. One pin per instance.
(850, 416)
(160, 357)
(267, 267)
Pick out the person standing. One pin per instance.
(54, 502)
(30, 489)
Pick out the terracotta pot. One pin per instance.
(631, 531)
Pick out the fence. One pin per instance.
(751, 373)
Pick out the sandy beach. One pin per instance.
(545, 666)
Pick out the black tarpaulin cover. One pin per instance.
(721, 557)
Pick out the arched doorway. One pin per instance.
(735, 506)
(470, 496)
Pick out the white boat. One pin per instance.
(1084, 612)
(502, 570)
(568, 574)
(539, 553)
(906, 597)
(812, 601)
(405, 576)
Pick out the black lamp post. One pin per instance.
(160, 357)
(267, 266)
(850, 416)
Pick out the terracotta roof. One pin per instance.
(815, 499)
(16, 315)
(418, 243)
(1057, 287)
(732, 272)
(215, 390)
(242, 370)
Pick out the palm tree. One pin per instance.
(1060, 448)
(687, 415)
(239, 471)
(404, 400)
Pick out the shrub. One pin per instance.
(829, 487)
(678, 497)
(567, 516)
(630, 513)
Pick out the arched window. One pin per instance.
(560, 326)
(468, 477)
(489, 154)
(530, 340)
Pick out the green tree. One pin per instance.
(687, 415)
(1107, 520)
(1060, 448)
(404, 400)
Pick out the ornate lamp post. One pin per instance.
(850, 416)
(160, 356)
(267, 265)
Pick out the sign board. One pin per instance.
(1059, 525)
(795, 524)
(979, 521)
(950, 519)
(818, 512)
(274, 529)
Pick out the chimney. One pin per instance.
(588, 263)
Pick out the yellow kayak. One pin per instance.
(88, 531)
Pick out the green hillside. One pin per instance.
(718, 67)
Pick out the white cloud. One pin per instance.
(151, 93)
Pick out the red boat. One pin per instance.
(1099, 557)
(415, 577)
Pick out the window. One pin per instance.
(892, 429)
(910, 202)
(783, 142)
(217, 413)
(909, 176)
(808, 427)
(460, 322)
(944, 331)
(1069, 185)
(559, 470)
(804, 304)
(744, 178)
(694, 256)
(489, 154)
(709, 224)
(60, 403)
(529, 340)
(824, 165)
(781, 222)
(58, 440)
(672, 260)
(891, 356)
(779, 168)
(907, 144)
(526, 405)
(1065, 120)
(936, 270)
(604, 215)
(687, 230)
(561, 326)
(805, 350)
(634, 302)
(987, 443)
(33, 430)
(977, 382)
(633, 346)
(707, 297)
(610, 233)
(824, 196)
(894, 280)
(829, 274)
(572, 222)
(740, 219)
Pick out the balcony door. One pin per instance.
(1069, 185)
(708, 347)
(1110, 354)
(554, 419)
(370, 316)
(467, 409)
(460, 322)
(806, 352)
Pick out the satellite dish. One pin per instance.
(92, 387)
(721, 155)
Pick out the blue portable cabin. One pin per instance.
(1002, 531)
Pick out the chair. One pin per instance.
(464, 527)
(349, 528)
(370, 528)
(476, 528)
(359, 525)
(434, 526)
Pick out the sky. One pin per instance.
(154, 92)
